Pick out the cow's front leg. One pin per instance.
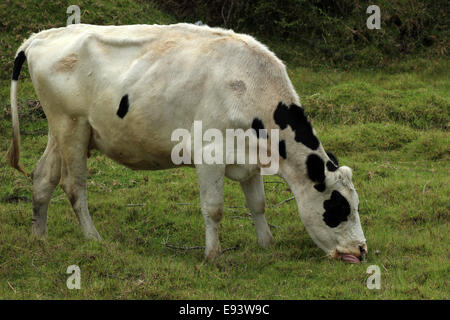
(254, 195)
(210, 180)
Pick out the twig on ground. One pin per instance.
(282, 202)
(10, 285)
(135, 205)
(231, 248)
(244, 216)
(425, 185)
(171, 246)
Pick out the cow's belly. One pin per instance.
(136, 149)
(129, 155)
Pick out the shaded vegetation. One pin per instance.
(331, 32)
(19, 19)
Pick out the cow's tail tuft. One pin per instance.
(13, 154)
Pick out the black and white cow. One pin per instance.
(123, 90)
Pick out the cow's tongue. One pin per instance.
(349, 258)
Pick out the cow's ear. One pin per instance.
(332, 164)
(316, 171)
(333, 158)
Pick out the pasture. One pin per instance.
(390, 126)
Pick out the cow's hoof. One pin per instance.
(94, 236)
(266, 242)
(39, 231)
(212, 254)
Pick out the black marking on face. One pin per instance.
(282, 148)
(257, 125)
(295, 117)
(337, 209)
(316, 171)
(18, 62)
(123, 107)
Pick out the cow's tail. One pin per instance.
(13, 154)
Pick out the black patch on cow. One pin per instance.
(282, 149)
(316, 171)
(123, 107)
(257, 125)
(337, 209)
(295, 117)
(320, 187)
(18, 62)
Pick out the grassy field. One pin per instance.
(390, 126)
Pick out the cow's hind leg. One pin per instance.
(46, 176)
(73, 140)
(254, 195)
(210, 179)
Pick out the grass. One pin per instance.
(390, 126)
(18, 19)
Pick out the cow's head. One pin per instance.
(326, 198)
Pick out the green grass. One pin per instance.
(19, 19)
(390, 126)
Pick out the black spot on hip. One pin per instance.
(282, 149)
(123, 107)
(316, 171)
(257, 125)
(337, 209)
(18, 62)
(294, 116)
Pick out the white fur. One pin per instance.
(173, 75)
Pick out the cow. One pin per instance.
(122, 90)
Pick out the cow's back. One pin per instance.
(170, 76)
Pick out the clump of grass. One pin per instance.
(415, 95)
(18, 19)
(430, 145)
(366, 137)
(359, 102)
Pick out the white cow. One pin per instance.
(123, 90)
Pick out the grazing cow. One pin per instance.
(123, 90)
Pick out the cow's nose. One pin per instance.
(363, 252)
